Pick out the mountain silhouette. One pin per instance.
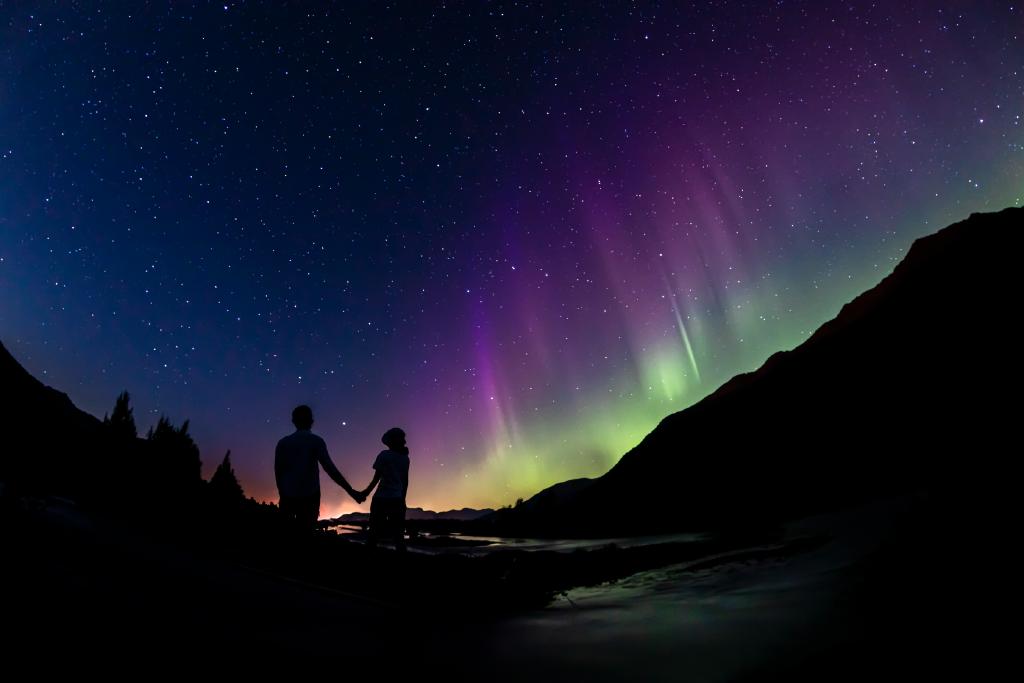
(910, 388)
(419, 514)
(43, 433)
(51, 447)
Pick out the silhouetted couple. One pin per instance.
(296, 462)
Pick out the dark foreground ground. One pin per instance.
(892, 591)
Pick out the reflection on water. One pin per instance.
(712, 624)
(694, 621)
(476, 545)
(568, 545)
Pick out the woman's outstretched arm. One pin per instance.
(373, 483)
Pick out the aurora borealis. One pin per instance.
(524, 233)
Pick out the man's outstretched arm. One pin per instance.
(335, 474)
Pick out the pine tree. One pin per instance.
(224, 484)
(122, 422)
(178, 454)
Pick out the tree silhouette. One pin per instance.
(121, 422)
(177, 456)
(224, 486)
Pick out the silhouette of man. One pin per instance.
(295, 467)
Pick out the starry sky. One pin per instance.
(523, 232)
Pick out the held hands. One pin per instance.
(359, 496)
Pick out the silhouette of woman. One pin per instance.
(391, 471)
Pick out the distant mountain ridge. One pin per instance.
(465, 514)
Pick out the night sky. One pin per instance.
(523, 233)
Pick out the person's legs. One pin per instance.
(399, 523)
(396, 523)
(387, 520)
(310, 513)
(289, 510)
(301, 512)
(378, 520)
